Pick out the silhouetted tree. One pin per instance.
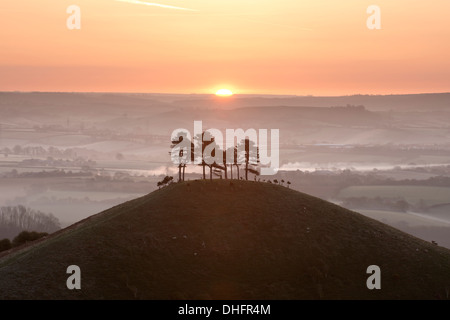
(251, 157)
(220, 169)
(236, 161)
(211, 144)
(203, 145)
(165, 181)
(233, 161)
(19, 218)
(225, 163)
(180, 153)
(289, 184)
(26, 236)
(5, 244)
(192, 158)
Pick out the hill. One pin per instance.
(214, 240)
(128, 123)
(399, 102)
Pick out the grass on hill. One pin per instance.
(222, 240)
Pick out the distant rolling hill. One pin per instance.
(403, 102)
(396, 119)
(216, 240)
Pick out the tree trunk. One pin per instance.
(210, 172)
(184, 169)
(204, 173)
(179, 173)
(226, 172)
(246, 171)
(231, 167)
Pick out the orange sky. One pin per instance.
(318, 47)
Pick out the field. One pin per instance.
(413, 194)
(410, 219)
(424, 226)
(70, 199)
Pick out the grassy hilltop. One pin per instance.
(216, 240)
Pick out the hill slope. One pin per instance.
(213, 240)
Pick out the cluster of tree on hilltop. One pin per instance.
(245, 154)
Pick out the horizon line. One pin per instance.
(235, 94)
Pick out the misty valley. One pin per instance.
(382, 156)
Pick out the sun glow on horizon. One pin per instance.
(224, 93)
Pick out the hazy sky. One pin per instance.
(319, 47)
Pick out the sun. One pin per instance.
(224, 93)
